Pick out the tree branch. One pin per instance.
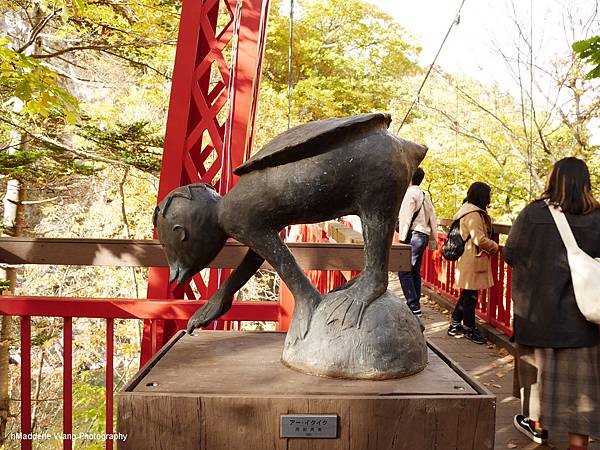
(60, 146)
(37, 29)
(75, 48)
(103, 48)
(138, 63)
(487, 145)
(475, 103)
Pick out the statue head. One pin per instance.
(188, 229)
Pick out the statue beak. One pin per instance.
(179, 274)
(184, 275)
(173, 273)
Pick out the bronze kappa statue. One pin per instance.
(311, 173)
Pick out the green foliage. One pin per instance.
(18, 164)
(476, 132)
(88, 403)
(124, 50)
(589, 51)
(136, 144)
(28, 88)
(348, 57)
(32, 99)
(43, 335)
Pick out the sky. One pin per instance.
(485, 25)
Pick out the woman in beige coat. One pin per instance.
(473, 269)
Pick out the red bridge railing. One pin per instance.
(109, 309)
(323, 280)
(331, 264)
(322, 257)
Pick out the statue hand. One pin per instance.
(214, 308)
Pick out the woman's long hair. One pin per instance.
(479, 194)
(569, 187)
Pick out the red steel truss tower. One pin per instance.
(210, 124)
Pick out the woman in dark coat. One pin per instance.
(558, 361)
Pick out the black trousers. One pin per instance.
(464, 311)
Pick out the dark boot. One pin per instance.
(474, 335)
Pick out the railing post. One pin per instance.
(427, 256)
(153, 337)
(440, 274)
(286, 307)
(452, 291)
(110, 332)
(67, 382)
(508, 296)
(26, 443)
(446, 286)
(491, 313)
(484, 307)
(500, 307)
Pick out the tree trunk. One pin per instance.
(5, 339)
(12, 226)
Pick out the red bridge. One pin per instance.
(330, 265)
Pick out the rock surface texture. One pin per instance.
(388, 344)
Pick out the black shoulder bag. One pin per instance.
(454, 246)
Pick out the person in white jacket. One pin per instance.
(417, 226)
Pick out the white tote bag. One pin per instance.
(585, 270)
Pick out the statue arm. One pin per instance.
(221, 300)
(240, 276)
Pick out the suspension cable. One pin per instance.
(455, 21)
(530, 155)
(290, 55)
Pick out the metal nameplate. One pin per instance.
(309, 426)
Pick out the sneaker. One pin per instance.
(474, 335)
(455, 329)
(417, 312)
(524, 425)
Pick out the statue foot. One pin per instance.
(349, 308)
(347, 311)
(211, 310)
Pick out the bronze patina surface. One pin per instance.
(311, 173)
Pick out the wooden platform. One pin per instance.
(225, 390)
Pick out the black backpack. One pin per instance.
(454, 246)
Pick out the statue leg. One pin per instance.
(221, 300)
(378, 232)
(372, 282)
(269, 245)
